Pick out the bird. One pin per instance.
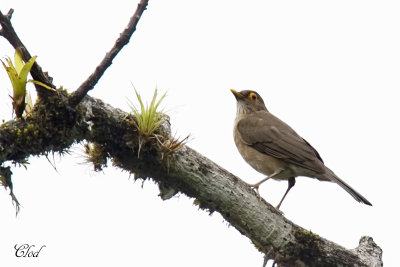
(274, 149)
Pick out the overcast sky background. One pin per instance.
(330, 69)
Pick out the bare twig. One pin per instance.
(122, 40)
(5, 22)
(8, 32)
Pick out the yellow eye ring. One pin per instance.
(253, 97)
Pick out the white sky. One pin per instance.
(330, 69)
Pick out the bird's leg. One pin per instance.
(291, 183)
(257, 185)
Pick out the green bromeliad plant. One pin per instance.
(147, 119)
(18, 74)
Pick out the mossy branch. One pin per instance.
(58, 127)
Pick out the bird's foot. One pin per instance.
(278, 210)
(257, 185)
(255, 189)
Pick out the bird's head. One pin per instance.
(248, 101)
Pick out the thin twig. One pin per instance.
(123, 39)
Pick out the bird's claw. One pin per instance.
(255, 189)
(278, 210)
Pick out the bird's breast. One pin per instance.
(261, 162)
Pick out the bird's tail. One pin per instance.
(329, 175)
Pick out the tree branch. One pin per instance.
(123, 39)
(186, 171)
(59, 121)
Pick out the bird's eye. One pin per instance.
(253, 97)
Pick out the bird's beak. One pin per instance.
(237, 95)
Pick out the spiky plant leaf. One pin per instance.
(148, 120)
(18, 76)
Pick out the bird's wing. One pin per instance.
(268, 134)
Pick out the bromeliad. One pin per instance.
(18, 75)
